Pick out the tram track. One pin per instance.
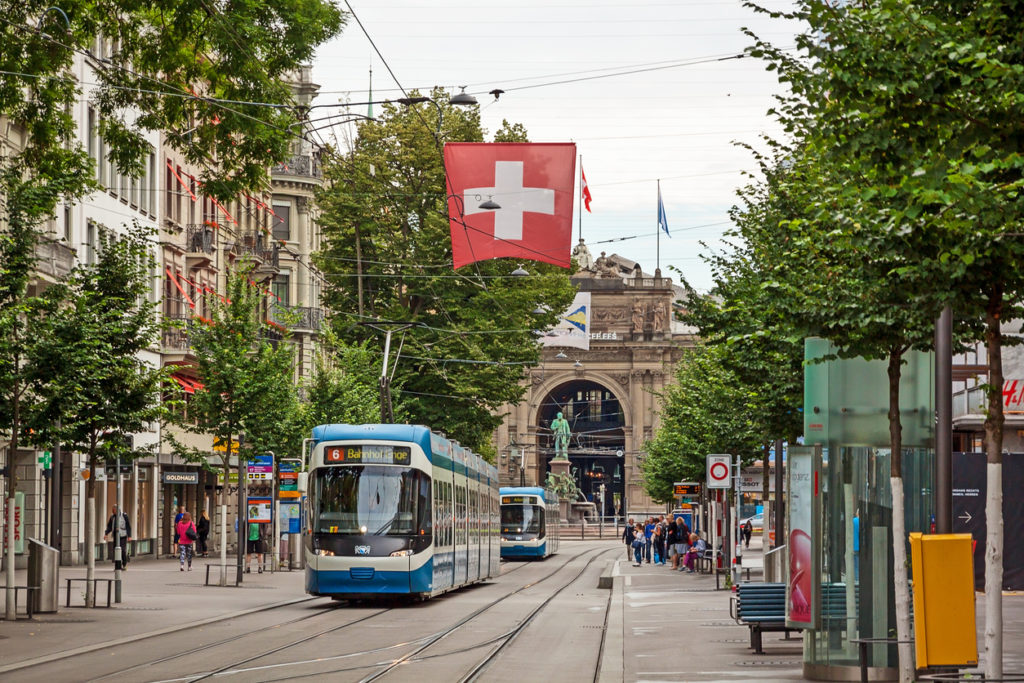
(427, 641)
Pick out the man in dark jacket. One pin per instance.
(627, 538)
(120, 531)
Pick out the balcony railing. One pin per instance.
(300, 165)
(296, 317)
(176, 337)
(53, 258)
(199, 239)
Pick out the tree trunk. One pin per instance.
(765, 493)
(10, 611)
(994, 499)
(90, 536)
(899, 530)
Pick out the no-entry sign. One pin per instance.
(719, 471)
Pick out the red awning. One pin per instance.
(190, 385)
(185, 384)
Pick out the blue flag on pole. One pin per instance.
(662, 221)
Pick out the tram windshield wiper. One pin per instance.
(385, 527)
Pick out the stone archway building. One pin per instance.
(608, 393)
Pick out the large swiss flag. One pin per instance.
(532, 183)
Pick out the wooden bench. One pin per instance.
(110, 587)
(761, 607)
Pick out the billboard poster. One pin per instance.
(802, 537)
(19, 523)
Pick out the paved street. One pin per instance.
(538, 620)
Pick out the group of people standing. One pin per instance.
(660, 541)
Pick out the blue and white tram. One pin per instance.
(530, 522)
(397, 510)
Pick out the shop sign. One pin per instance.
(19, 523)
(180, 477)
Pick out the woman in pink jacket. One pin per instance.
(182, 529)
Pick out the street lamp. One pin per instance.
(243, 492)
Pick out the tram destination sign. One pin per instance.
(368, 454)
(518, 500)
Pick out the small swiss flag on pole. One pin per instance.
(584, 189)
(510, 199)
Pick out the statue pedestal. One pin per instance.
(560, 467)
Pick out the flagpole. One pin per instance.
(581, 199)
(657, 249)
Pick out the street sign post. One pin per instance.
(719, 471)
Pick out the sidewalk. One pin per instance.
(149, 587)
(667, 625)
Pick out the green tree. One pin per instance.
(246, 365)
(387, 255)
(86, 363)
(343, 388)
(906, 112)
(706, 410)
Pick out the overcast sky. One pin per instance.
(678, 123)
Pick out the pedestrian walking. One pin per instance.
(748, 531)
(639, 543)
(628, 534)
(120, 531)
(648, 536)
(185, 532)
(203, 529)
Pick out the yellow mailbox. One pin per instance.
(945, 633)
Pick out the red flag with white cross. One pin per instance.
(510, 199)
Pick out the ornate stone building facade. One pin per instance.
(609, 393)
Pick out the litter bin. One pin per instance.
(43, 563)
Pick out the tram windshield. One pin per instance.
(522, 519)
(372, 500)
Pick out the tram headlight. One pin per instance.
(401, 553)
(324, 551)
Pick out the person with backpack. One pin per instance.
(185, 533)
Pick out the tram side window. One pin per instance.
(448, 514)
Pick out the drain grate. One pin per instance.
(719, 623)
(730, 640)
(139, 609)
(598, 627)
(795, 663)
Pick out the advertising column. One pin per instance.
(803, 537)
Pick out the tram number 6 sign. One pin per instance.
(719, 471)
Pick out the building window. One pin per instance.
(279, 287)
(169, 193)
(90, 243)
(151, 185)
(282, 222)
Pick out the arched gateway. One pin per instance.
(608, 392)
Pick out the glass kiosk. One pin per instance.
(846, 412)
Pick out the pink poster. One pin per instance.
(803, 493)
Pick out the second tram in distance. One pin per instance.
(530, 521)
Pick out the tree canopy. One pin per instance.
(387, 255)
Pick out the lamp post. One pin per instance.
(243, 491)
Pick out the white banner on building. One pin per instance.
(573, 329)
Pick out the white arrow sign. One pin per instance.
(966, 517)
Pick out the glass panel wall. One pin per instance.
(858, 595)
